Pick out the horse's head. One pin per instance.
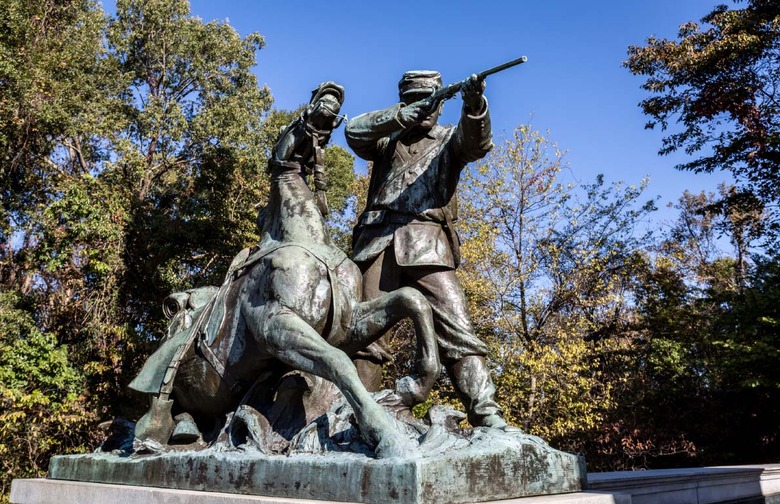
(322, 114)
(321, 117)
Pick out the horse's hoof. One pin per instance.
(410, 391)
(395, 447)
(186, 431)
(496, 422)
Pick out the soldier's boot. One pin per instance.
(475, 388)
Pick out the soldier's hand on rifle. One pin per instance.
(415, 113)
(472, 94)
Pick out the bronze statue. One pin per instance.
(250, 368)
(294, 302)
(405, 235)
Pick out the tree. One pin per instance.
(547, 269)
(188, 158)
(132, 161)
(706, 319)
(720, 82)
(53, 84)
(699, 375)
(42, 407)
(733, 341)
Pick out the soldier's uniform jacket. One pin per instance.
(412, 193)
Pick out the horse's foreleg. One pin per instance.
(298, 345)
(371, 319)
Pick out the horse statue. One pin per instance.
(292, 303)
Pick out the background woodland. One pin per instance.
(132, 165)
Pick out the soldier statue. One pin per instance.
(405, 235)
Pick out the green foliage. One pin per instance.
(701, 378)
(718, 82)
(52, 81)
(56, 86)
(699, 373)
(342, 187)
(132, 160)
(42, 408)
(190, 154)
(341, 177)
(547, 268)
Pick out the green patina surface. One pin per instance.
(493, 466)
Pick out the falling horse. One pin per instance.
(293, 303)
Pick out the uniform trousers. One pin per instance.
(460, 350)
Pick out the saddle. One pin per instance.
(197, 315)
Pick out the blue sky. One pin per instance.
(572, 85)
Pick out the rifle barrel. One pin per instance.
(447, 92)
(496, 69)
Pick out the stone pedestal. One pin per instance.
(495, 466)
(747, 484)
(44, 491)
(756, 484)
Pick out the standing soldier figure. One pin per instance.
(405, 236)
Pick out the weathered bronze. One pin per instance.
(405, 235)
(292, 303)
(253, 390)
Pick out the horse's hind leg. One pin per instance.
(294, 342)
(371, 319)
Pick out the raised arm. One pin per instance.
(366, 130)
(473, 138)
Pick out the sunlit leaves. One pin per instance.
(546, 268)
(132, 157)
(42, 409)
(719, 82)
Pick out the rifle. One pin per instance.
(449, 91)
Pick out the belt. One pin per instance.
(378, 217)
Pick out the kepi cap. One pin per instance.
(419, 81)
